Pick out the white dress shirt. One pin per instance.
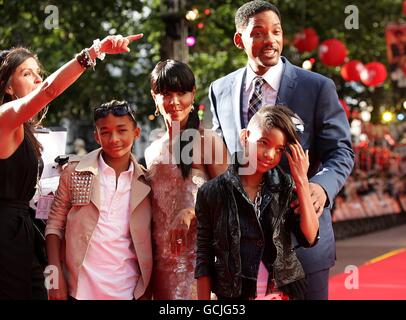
(270, 87)
(110, 269)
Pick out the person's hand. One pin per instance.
(179, 230)
(60, 293)
(299, 165)
(147, 294)
(319, 198)
(298, 162)
(117, 44)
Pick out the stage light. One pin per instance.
(387, 116)
(365, 116)
(192, 14)
(190, 41)
(200, 114)
(207, 11)
(307, 65)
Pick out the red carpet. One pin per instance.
(383, 278)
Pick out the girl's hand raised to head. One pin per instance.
(298, 162)
(299, 165)
(117, 44)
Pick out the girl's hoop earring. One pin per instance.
(156, 113)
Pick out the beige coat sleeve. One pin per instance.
(62, 204)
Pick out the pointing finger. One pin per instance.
(135, 37)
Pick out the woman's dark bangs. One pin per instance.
(173, 81)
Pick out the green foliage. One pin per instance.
(214, 55)
(80, 22)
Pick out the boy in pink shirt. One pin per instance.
(99, 229)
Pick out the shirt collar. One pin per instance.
(105, 168)
(273, 76)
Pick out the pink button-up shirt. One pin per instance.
(110, 269)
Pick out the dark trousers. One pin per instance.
(317, 284)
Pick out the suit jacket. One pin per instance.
(326, 135)
(75, 212)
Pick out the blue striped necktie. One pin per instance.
(255, 101)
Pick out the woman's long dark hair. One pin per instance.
(9, 62)
(176, 76)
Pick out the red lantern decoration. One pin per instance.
(332, 52)
(375, 74)
(352, 70)
(306, 40)
(207, 11)
(345, 107)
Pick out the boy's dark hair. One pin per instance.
(175, 76)
(117, 108)
(250, 9)
(280, 117)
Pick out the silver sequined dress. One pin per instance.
(173, 276)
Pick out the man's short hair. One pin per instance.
(250, 9)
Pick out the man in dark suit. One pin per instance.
(313, 97)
